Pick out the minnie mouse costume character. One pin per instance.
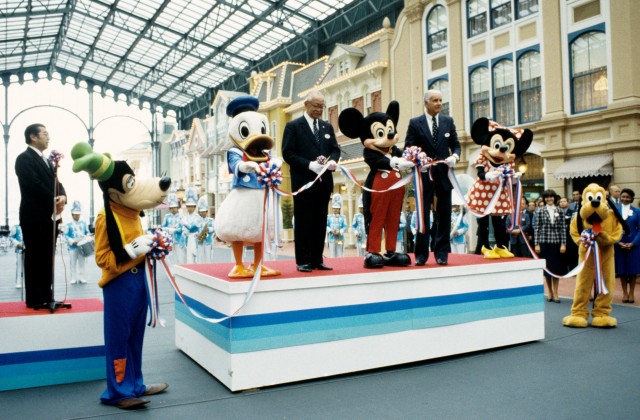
(500, 147)
(377, 132)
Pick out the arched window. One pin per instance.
(589, 83)
(436, 29)
(529, 91)
(503, 99)
(443, 86)
(479, 93)
(476, 17)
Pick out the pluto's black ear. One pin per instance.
(350, 123)
(393, 111)
(480, 131)
(523, 143)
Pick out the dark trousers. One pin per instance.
(441, 246)
(310, 209)
(39, 241)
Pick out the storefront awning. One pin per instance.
(583, 166)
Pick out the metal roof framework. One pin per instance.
(166, 53)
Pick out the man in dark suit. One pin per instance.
(42, 197)
(306, 144)
(436, 135)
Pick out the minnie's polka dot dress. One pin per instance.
(481, 192)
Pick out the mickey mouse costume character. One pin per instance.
(500, 147)
(121, 247)
(240, 216)
(377, 132)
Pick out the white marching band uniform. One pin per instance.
(205, 244)
(171, 224)
(18, 243)
(336, 223)
(191, 224)
(75, 231)
(360, 232)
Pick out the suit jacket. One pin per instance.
(299, 148)
(547, 233)
(444, 146)
(37, 187)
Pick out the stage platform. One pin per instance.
(300, 326)
(42, 348)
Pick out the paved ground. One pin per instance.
(571, 374)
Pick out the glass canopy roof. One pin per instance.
(164, 52)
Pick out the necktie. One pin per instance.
(435, 128)
(316, 132)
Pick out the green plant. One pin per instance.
(287, 213)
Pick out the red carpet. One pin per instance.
(11, 309)
(341, 266)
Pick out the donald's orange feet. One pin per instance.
(265, 271)
(240, 271)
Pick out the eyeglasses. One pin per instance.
(317, 106)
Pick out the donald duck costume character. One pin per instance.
(121, 248)
(191, 224)
(75, 231)
(240, 218)
(205, 237)
(336, 227)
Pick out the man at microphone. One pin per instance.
(42, 201)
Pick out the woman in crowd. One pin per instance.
(551, 241)
(627, 250)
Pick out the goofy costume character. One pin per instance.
(121, 246)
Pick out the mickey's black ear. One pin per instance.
(524, 142)
(350, 122)
(480, 131)
(393, 111)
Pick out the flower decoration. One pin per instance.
(161, 246)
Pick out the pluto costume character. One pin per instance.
(500, 147)
(241, 214)
(377, 132)
(600, 216)
(120, 247)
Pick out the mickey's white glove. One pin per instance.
(332, 166)
(492, 175)
(451, 160)
(517, 175)
(400, 163)
(315, 167)
(247, 167)
(139, 246)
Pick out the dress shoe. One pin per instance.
(441, 261)
(304, 268)
(420, 261)
(131, 403)
(155, 389)
(322, 267)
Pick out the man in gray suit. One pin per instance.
(436, 135)
(307, 143)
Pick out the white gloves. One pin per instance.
(517, 175)
(139, 246)
(492, 175)
(332, 166)
(249, 166)
(400, 163)
(315, 167)
(451, 160)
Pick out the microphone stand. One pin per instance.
(54, 305)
